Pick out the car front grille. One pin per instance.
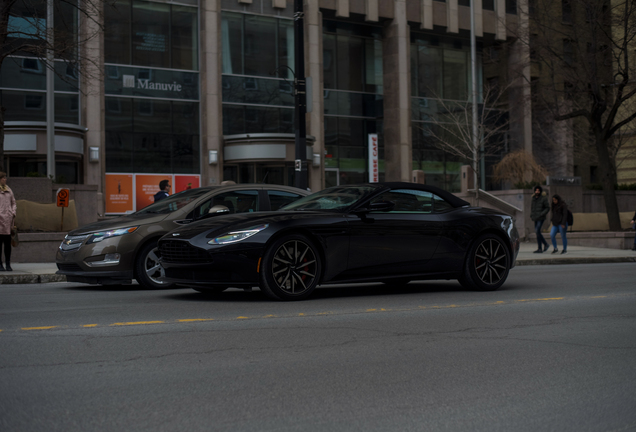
(73, 242)
(181, 252)
(70, 267)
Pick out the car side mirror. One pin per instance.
(218, 209)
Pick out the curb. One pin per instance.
(588, 260)
(31, 278)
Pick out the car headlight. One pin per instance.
(103, 235)
(236, 236)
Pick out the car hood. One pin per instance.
(119, 222)
(225, 223)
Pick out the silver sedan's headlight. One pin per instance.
(103, 235)
(236, 236)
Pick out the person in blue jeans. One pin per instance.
(559, 223)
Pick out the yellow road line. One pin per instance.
(137, 323)
(315, 314)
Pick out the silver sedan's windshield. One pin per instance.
(336, 199)
(174, 202)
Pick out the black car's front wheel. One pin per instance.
(148, 271)
(487, 264)
(290, 269)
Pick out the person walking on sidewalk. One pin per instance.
(634, 227)
(559, 223)
(539, 209)
(8, 211)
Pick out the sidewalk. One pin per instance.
(45, 272)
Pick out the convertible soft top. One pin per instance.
(447, 196)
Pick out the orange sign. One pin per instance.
(146, 186)
(183, 182)
(119, 193)
(63, 197)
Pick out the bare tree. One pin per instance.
(584, 49)
(451, 130)
(23, 32)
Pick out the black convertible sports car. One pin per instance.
(389, 232)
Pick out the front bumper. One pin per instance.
(236, 269)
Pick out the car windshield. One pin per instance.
(174, 202)
(335, 199)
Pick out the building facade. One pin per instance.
(201, 92)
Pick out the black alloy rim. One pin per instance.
(294, 267)
(490, 261)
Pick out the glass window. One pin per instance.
(148, 136)
(184, 34)
(456, 72)
(511, 7)
(242, 201)
(259, 45)
(117, 18)
(150, 33)
(440, 206)
(278, 199)
(488, 5)
(232, 41)
(408, 201)
(350, 61)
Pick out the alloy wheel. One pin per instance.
(153, 269)
(491, 261)
(294, 267)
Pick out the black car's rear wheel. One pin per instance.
(487, 264)
(148, 271)
(290, 269)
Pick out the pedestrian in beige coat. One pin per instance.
(8, 211)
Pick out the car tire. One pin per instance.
(147, 268)
(487, 264)
(291, 268)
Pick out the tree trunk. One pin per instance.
(607, 180)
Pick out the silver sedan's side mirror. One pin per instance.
(218, 209)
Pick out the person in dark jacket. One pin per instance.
(539, 209)
(559, 223)
(164, 188)
(634, 226)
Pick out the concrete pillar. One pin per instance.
(211, 92)
(427, 15)
(93, 100)
(500, 8)
(313, 68)
(519, 94)
(397, 96)
(452, 16)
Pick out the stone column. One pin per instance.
(93, 99)
(519, 94)
(397, 96)
(313, 68)
(211, 91)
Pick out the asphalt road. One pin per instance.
(553, 351)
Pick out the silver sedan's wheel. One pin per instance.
(148, 270)
(487, 265)
(291, 268)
